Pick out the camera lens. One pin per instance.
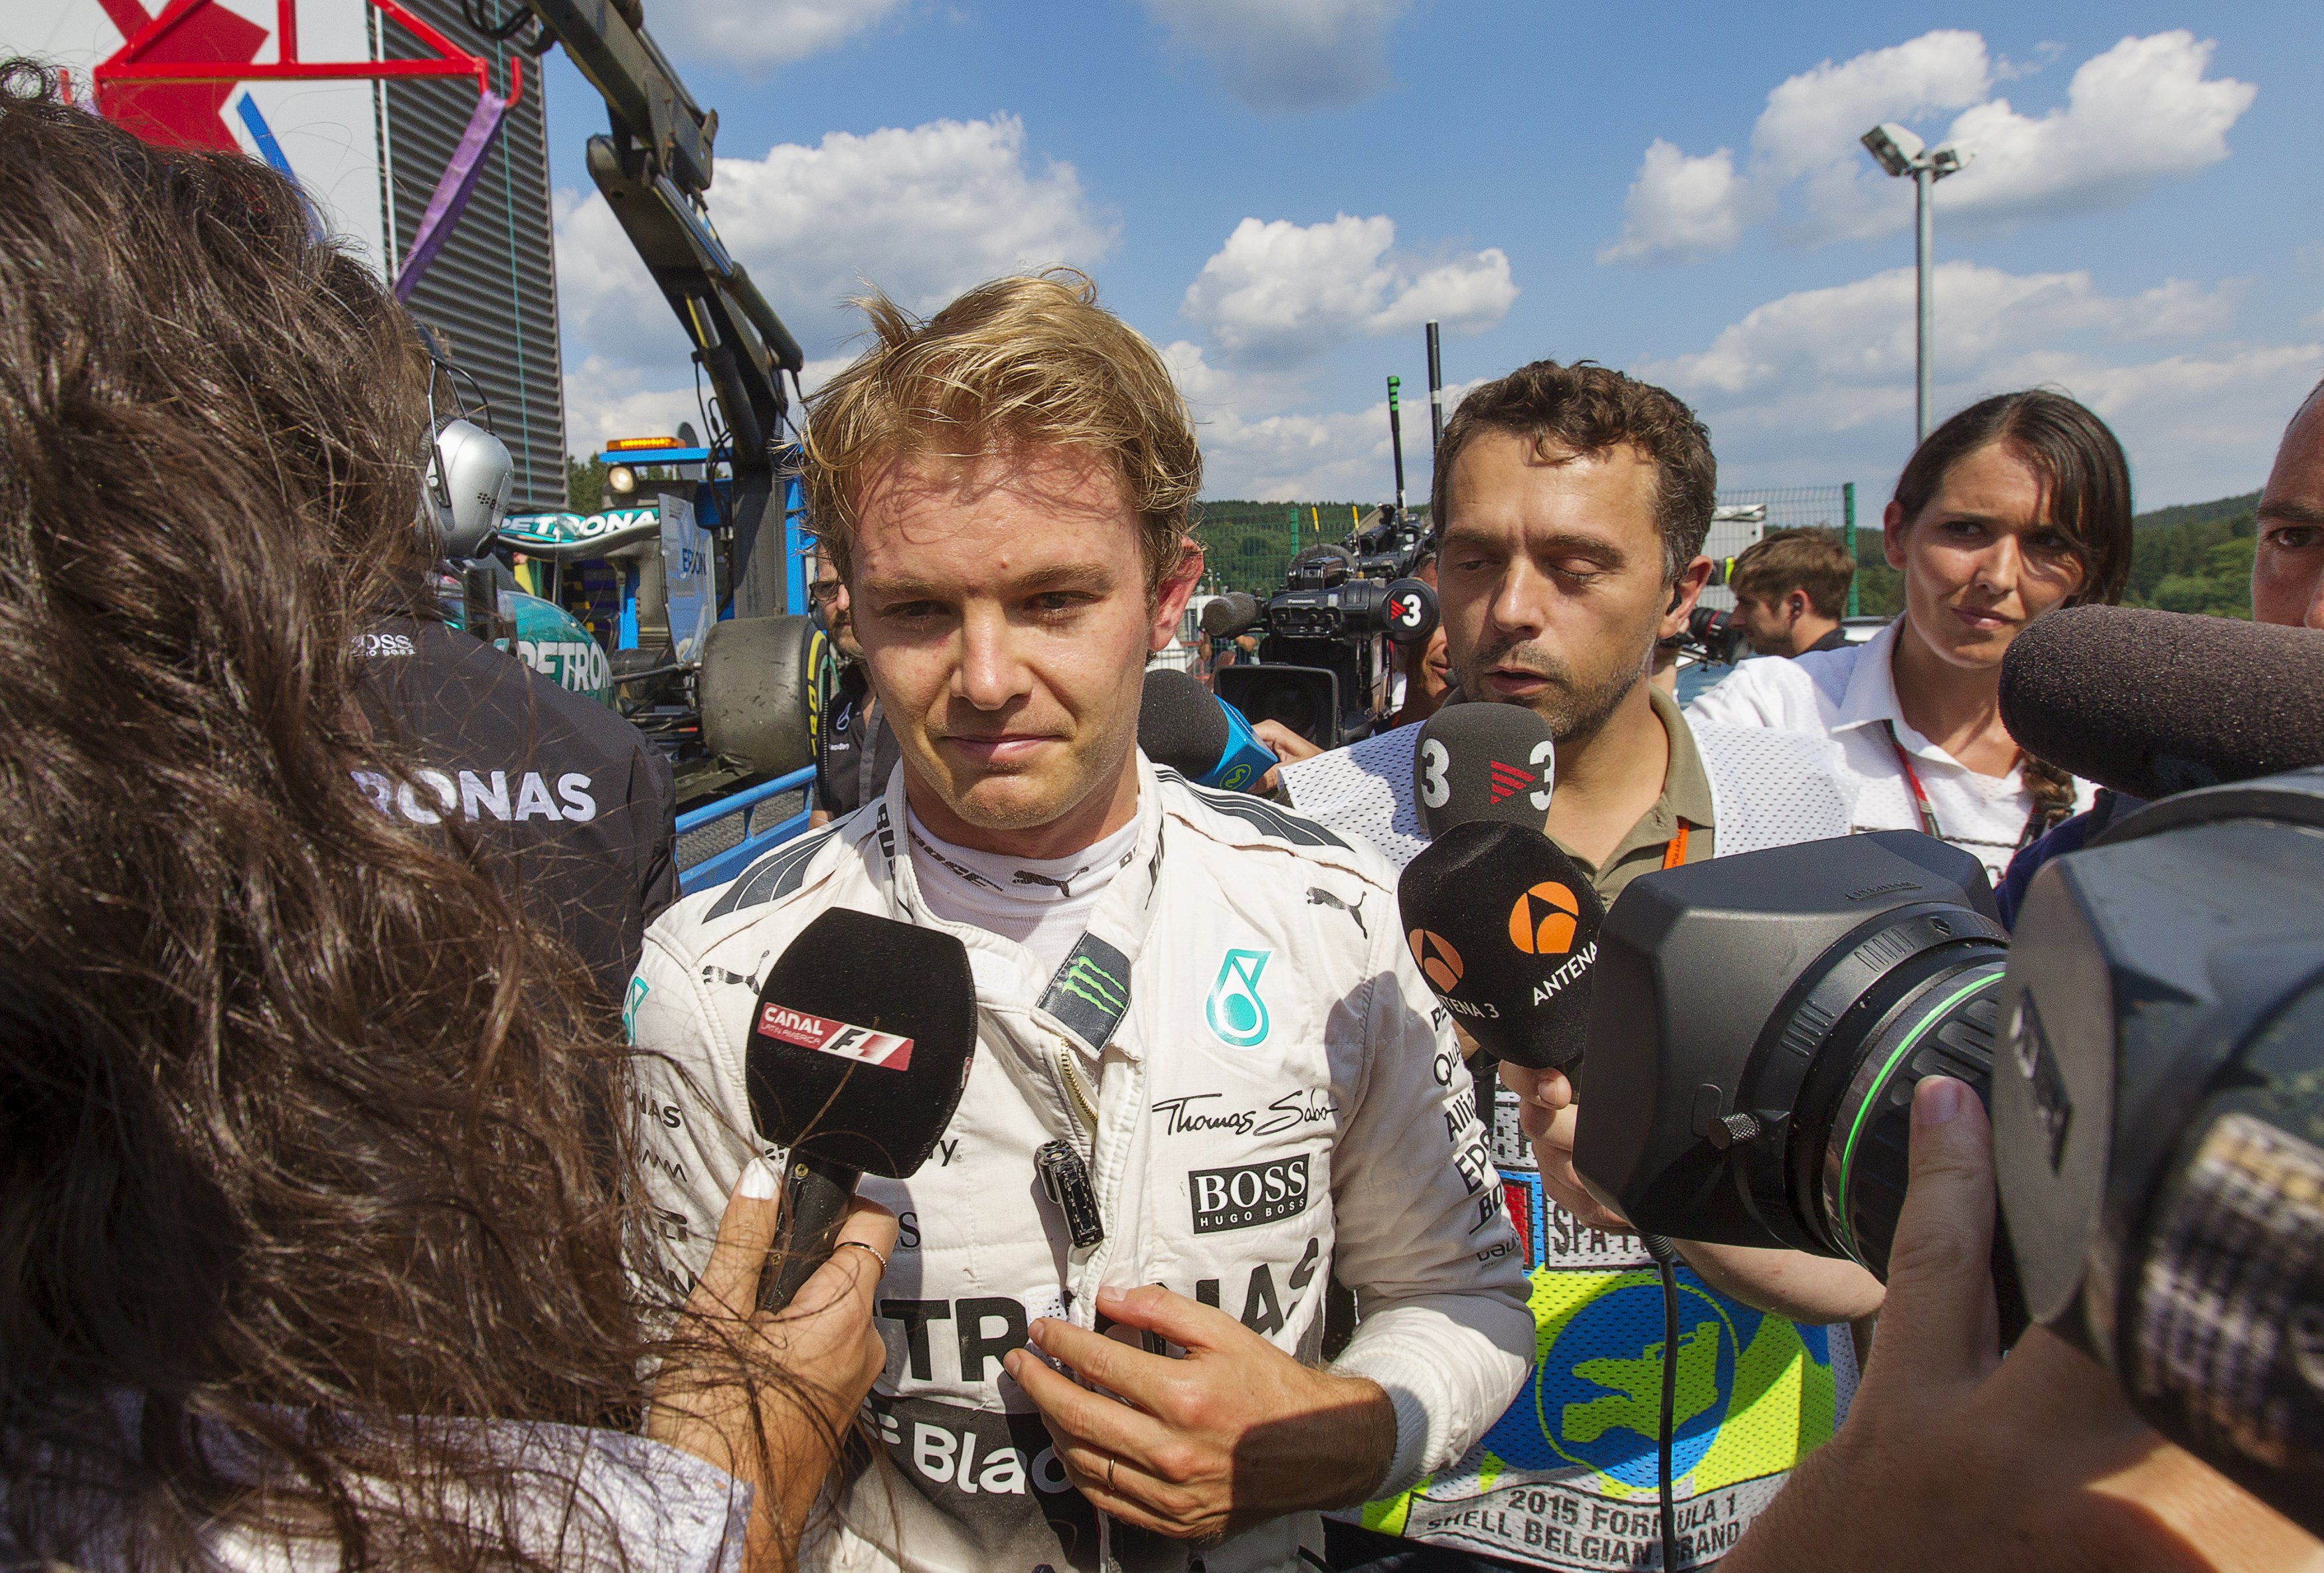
(1940, 1020)
(1757, 1027)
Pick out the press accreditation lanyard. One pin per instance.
(2036, 820)
(1674, 850)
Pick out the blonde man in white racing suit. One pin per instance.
(1207, 998)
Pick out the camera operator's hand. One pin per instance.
(1236, 1433)
(1791, 1284)
(766, 1396)
(1954, 1459)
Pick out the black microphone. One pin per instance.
(2153, 702)
(1482, 760)
(1185, 726)
(1226, 615)
(1505, 929)
(859, 1049)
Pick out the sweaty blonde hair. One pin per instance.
(1022, 362)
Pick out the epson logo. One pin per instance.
(1245, 1198)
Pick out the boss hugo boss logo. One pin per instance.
(1248, 1196)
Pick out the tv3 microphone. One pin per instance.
(1482, 761)
(859, 1049)
(1185, 726)
(2153, 702)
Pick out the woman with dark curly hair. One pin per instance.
(315, 1242)
(2016, 505)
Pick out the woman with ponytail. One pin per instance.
(2017, 505)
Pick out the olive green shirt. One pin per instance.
(1685, 798)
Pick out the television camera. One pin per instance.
(1327, 637)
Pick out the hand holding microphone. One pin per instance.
(860, 1048)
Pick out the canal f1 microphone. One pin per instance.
(859, 1049)
(1482, 761)
(2153, 702)
(1182, 724)
(1505, 929)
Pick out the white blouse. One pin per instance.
(1850, 695)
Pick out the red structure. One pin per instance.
(174, 72)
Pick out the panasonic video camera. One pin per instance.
(2150, 1043)
(1325, 637)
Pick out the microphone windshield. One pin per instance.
(1504, 928)
(1231, 613)
(2153, 702)
(1482, 760)
(1180, 724)
(862, 1041)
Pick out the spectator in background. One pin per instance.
(2017, 505)
(855, 750)
(1790, 591)
(314, 1258)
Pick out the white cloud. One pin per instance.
(922, 213)
(757, 33)
(1253, 447)
(1279, 294)
(604, 402)
(1862, 335)
(1820, 383)
(2140, 112)
(1679, 207)
(1287, 54)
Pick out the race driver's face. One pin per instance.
(1003, 610)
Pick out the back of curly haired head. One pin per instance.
(1019, 363)
(296, 1160)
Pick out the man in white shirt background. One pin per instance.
(1791, 589)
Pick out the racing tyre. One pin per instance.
(762, 687)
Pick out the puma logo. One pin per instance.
(1063, 887)
(1318, 896)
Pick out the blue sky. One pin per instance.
(1278, 191)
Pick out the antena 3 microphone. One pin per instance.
(859, 1049)
(1184, 725)
(1483, 760)
(1505, 929)
(2153, 702)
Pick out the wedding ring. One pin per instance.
(1110, 1462)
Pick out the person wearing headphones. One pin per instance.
(576, 805)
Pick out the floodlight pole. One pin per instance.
(1924, 179)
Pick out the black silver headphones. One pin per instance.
(470, 472)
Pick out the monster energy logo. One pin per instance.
(1086, 980)
(1091, 992)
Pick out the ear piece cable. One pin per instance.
(1665, 1257)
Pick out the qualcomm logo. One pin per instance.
(1234, 1009)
